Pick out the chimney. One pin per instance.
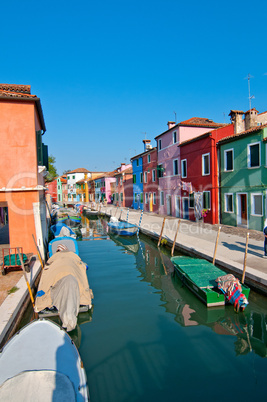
(251, 118)
(147, 145)
(236, 117)
(171, 124)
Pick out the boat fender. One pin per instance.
(40, 293)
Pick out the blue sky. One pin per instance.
(111, 73)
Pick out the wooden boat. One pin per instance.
(64, 289)
(123, 228)
(200, 277)
(60, 229)
(41, 362)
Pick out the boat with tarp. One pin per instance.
(210, 284)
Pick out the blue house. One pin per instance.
(137, 164)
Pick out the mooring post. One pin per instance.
(163, 223)
(174, 241)
(216, 244)
(245, 259)
(140, 220)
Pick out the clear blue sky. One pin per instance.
(111, 73)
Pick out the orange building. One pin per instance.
(23, 165)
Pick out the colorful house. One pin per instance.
(169, 160)
(199, 176)
(73, 177)
(122, 188)
(23, 166)
(52, 190)
(103, 187)
(150, 179)
(138, 196)
(243, 176)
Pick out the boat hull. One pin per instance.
(123, 228)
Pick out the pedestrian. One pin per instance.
(265, 238)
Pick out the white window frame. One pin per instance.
(226, 203)
(148, 158)
(146, 198)
(174, 137)
(153, 175)
(225, 159)
(249, 158)
(203, 164)
(253, 204)
(145, 177)
(175, 161)
(162, 198)
(141, 177)
(154, 198)
(183, 175)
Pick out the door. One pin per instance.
(177, 206)
(169, 204)
(242, 214)
(150, 202)
(185, 208)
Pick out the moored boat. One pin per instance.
(67, 241)
(41, 362)
(60, 229)
(202, 278)
(123, 228)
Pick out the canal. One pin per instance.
(148, 338)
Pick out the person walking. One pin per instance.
(265, 238)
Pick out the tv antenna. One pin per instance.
(249, 96)
(175, 116)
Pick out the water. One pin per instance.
(150, 339)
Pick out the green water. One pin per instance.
(149, 339)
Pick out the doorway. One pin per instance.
(177, 206)
(242, 210)
(169, 204)
(185, 208)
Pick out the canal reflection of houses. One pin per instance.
(250, 327)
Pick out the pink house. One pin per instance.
(169, 161)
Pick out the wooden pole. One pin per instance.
(25, 276)
(245, 260)
(216, 244)
(174, 241)
(38, 252)
(163, 223)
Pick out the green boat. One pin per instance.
(200, 277)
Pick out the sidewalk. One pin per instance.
(199, 240)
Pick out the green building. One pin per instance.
(243, 178)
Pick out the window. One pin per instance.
(148, 158)
(159, 144)
(73, 177)
(228, 203)
(68, 177)
(121, 197)
(145, 177)
(154, 198)
(153, 175)
(161, 198)
(206, 199)
(175, 167)
(256, 204)
(141, 198)
(135, 197)
(141, 177)
(160, 170)
(134, 178)
(174, 137)
(146, 200)
(228, 160)
(137, 162)
(121, 181)
(191, 200)
(254, 155)
(205, 164)
(184, 168)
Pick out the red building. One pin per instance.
(52, 190)
(199, 176)
(123, 187)
(150, 179)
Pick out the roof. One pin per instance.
(243, 133)
(143, 153)
(128, 170)
(194, 122)
(22, 93)
(79, 170)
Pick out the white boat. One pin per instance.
(41, 363)
(123, 228)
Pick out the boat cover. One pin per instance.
(232, 289)
(45, 385)
(64, 284)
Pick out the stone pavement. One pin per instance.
(199, 239)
